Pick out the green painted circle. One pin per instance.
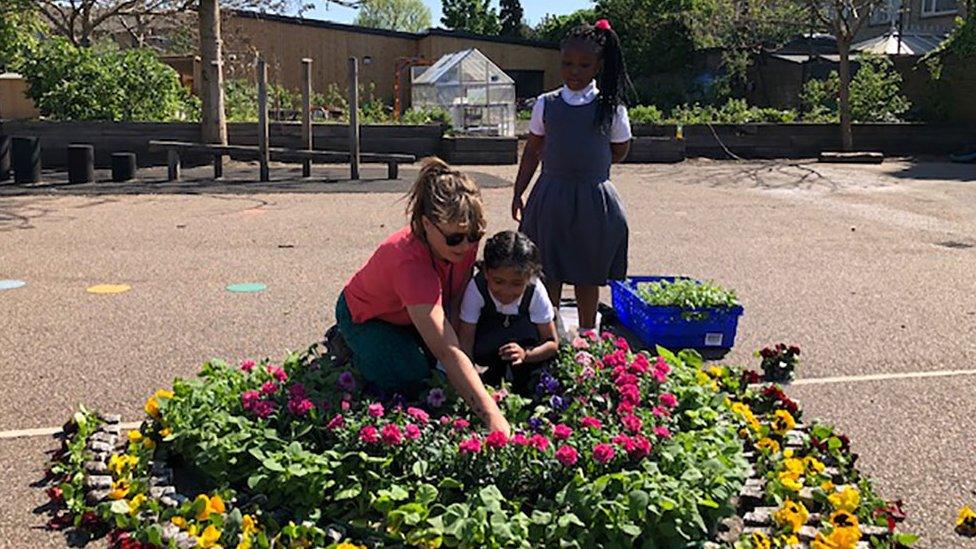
(247, 287)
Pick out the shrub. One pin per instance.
(426, 115)
(646, 114)
(875, 94)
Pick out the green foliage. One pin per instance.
(646, 114)
(686, 293)
(476, 16)
(433, 115)
(734, 111)
(19, 27)
(510, 17)
(960, 45)
(875, 94)
(104, 83)
(399, 15)
(656, 35)
(554, 28)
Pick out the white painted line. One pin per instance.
(883, 377)
(48, 431)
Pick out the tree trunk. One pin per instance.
(213, 125)
(846, 138)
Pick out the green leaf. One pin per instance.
(120, 507)
(397, 493)
(349, 492)
(630, 529)
(448, 483)
(569, 518)
(272, 465)
(420, 468)
(426, 494)
(834, 443)
(254, 480)
(542, 518)
(903, 538)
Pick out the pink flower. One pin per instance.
(519, 439)
(345, 405)
(607, 335)
(625, 408)
(369, 435)
(591, 422)
(621, 344)
(247, 365)
(630, 394)
(567, 455)
(539, 442)
(277, 373)
(336, 422)
(642, 447)
(624, 442)
(561, 432)
(499, 395)
(460, 424)
(662, 431)
(590, 334)
(470, 446)
(411, 431)
(625, 379)
(661, 370)
(603, 453)
(375, 409)
(300, 406)
(640, 365)
(660, 412)
(269, 388)
(587, 373)
(249, 399)
(668, 399)
(632, 423)
(391, 435)
(419, 415)
(580, 344)
(445, 420)
(263, 408)
(496, 439)
(616, 358)
(297, 390)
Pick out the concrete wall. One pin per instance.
(506, 56)
(14, 103)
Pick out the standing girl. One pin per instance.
(394, 312)
(574, 213)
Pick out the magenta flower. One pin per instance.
(539, 442)
(470, 446)
(297, 390)
(615, 359)
(607, 335)
(603, 453)
(436, 397)
(419, 415)
(591, 422)
(519, 439)
(391, 435)
(590, 334)
(624, 442)
(411, 431)
(277, 373)
(300, 406)
(369, 435)
(263, 408)
(461, 424)
(625, 408)
(660, 412)
(567, 455)
(499, 395)
(496, 439)
(625, 379)
(621, 344)
(269, 388)
(580, 344)
(247, 365)
(630, 394)
(249, 399)
(632, 423)
(662, 431)
(444, 420)
(668, 399)
(346, 382)
(642, 447)
(561, 432)
(337, 422)
(345, 405)
(640, 365)
(375, 409)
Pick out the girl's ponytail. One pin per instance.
(612, 81)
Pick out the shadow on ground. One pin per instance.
(937, 171)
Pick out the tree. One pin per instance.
(554, 28)
(400, 15)
(511, 17)
(470, 15)
(18, 30)
(845, 19)
(656, 35)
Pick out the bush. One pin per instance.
(734, 111)
(105, 83)
(646, 114)
(426, 115)
(875, 94)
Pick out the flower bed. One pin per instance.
(617, 448)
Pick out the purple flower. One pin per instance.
(547, 384)
(297, 391)
(535, 423)
(346, 382)
(436, 397)
(557, 402)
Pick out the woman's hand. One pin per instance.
(517, 206)
(498, 423)
(512, 352)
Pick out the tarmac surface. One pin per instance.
(870, 269)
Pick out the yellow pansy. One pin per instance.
(148, 443)
(245, 543)
(782, 422)
(179, 522)
(787, 541)
(716, 371)
(839, 538)
(844, 519)
(163, 393)
(788, 453)
(249, 525)
(209, 537)
(192, 530)
(760, 540)
(120, 489)
(702, 378)
(790, 481)
(827, 486)
(966, 521)
(347, 545)
(152, 407)
(792, 514)
(768, 445)
(210, 505)
(794, 466)
(135, 436)
(165, 432)
(813, 465)
(136, 503)
(846, 500)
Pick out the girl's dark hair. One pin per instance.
(512, 249)
(612, 81)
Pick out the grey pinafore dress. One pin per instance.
(574, 214)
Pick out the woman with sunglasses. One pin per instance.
(395, 313)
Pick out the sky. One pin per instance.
(534, 10)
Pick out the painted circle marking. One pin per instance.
(247, 287)
(11, 284)
(104, 289)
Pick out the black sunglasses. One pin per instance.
(456, 238)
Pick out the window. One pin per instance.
(939, 7)
(886, 12)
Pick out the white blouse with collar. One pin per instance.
(619, 128)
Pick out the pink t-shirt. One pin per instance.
(403, 272)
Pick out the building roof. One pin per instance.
(908, 44)
(319, 23)
(468, 65)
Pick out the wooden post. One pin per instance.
(263, 119)
(353, 118)
(173, 165)
(307, 114)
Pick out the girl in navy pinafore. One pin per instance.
(574, 214)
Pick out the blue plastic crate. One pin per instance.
(665, 326)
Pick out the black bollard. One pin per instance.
(123, 167)
(26, 153)
(4, 157)
(81, 163)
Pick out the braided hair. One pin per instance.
(612, 81)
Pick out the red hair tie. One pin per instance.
(603, 24)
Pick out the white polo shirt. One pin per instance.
(619, 128)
